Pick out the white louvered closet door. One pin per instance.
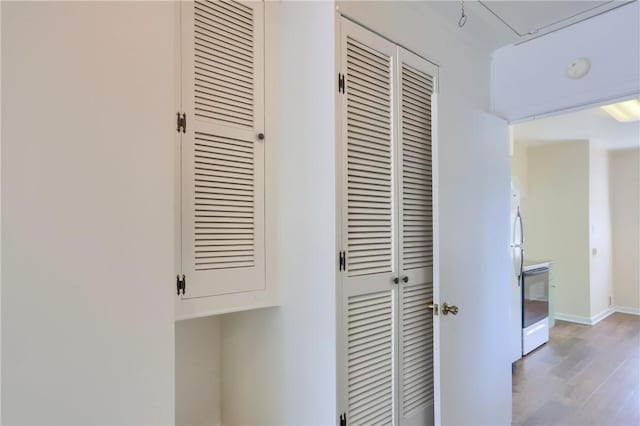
(415, 342)
(222, 160)
(368, 297)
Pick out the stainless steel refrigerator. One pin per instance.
(517, 259)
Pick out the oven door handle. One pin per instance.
(538, 271)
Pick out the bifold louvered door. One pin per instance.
(385, 328)
(222, 155)
(415, 341)
(368, 227)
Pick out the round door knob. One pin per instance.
(261, 136)
(405, 279)
(447, 308)
(396, 280)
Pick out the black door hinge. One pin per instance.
(182, 122)
(341, 83)
(181, 284)
(342, 261)
(343, 419)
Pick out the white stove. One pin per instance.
(535, 306)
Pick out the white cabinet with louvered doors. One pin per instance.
(385, 330)
(222, 152)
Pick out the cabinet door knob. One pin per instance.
(396, 280)
(405, 279)
(261, 136)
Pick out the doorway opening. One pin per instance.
(575, 190)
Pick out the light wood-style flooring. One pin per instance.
(585, 375)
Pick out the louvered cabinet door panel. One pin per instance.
(416, 345)
(224, 68)
(369, 160)
(369, 300)
(222, 164)
(416, 351)
(370, 358)
(417, 194)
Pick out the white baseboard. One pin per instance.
(593, 320)
(627, 310)
(573, 318)
(602, 315)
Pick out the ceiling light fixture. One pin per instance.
(624, 111)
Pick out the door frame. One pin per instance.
(436, 249)
(340, 56)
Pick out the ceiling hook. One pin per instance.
(463, 17)
(462, 20)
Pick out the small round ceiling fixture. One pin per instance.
(578, 68)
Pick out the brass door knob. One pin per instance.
(447, 308)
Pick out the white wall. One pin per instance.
(555, 178)
(520, 173)
(556, 220)
(529, 79)
(624, 166)
(87, 212)
(198, 372)
(0, 222)
(473, 209)
(279, 363)
(601, 262)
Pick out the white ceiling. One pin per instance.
(498, 23)
(545, 16)
(592, 124)
(536, 17)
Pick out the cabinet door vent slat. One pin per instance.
(224, 66)
(417, 366)
(224, 232)
(417, 202)
(369, 160)
(370, 358)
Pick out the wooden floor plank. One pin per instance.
(585, 375)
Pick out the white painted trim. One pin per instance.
(602, 315)
(341, 389)
(620, 97)
(627, 310)
(0, 227)
(177, 155)
(573, 318)
(593, 320)
(435, 182)
(271, 150)
(198, 307)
